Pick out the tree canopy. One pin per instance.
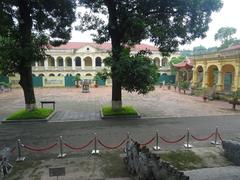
(166, 23)
(225, 36)
(27, 27)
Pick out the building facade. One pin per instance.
(219, 70)
(86, 59)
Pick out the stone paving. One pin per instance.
(72, 105)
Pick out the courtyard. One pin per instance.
(77, 118)
(73, 105)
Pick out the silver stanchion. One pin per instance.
(95, 151)
(157, 147)
(20, 158)
(61, 154)
(187, 145)
(216, 142)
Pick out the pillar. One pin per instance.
(236, 79)
(205, 79)
(220, 81)
(195, 78)
(46, 64)
(73, 63)
(83, 63)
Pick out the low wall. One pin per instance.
(146, 165)
(232, 151)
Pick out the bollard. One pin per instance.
(157, 147)
(128, 141)
(19, 158)
(216, 142)
(95, 151)
(187, 145)
(61, 154)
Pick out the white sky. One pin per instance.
(228, 16)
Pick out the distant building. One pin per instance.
(86, 59)
(218, 70)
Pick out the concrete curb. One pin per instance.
(29, 120)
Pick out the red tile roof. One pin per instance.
(104, 46)
(187, 63)
(232, 47)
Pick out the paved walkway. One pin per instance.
(72, 105)
(219, 173)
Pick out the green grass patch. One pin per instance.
(40, 113)
(184, 160)
(125, 110)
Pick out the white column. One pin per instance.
(45, 64)
(73, 63)
(93, 62)
(83, 63)
(64, 64)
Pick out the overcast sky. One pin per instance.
(228, 16)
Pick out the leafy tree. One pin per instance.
(166, 23)
(175, 60)
(199, 50)
(186, 53)
(225, 36)
(27, 27)
(104, 75)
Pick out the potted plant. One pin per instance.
(184, 85)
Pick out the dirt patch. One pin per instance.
(84, 166)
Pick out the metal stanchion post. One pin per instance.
(95, 151)
(187, 145)
(216, 142)
(157, 147)
(19, 158)
(61, 154)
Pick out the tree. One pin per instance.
(225, 36)
(199, 50)
(27, 27)
(166, 23)
(175, 60)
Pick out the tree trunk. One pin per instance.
(27, 85)
(25, 69)
(116, 50)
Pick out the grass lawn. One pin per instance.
(184, 160)
(125, 110)
(40, 113)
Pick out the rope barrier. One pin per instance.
(172, 142)
(111, 147)
(202, 139)
(148, 142)
(13, 149)
(39, 149)
(221, 139)
(78, 148)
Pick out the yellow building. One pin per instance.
(219, 70)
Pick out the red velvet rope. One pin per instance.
(172, 142)
(13, 149)
(39, 149)
(112, 147)
(220, 137)
(203, 139)
(148, 142)
(78, 148)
